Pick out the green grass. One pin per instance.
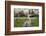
(35, 22)
(19, 22)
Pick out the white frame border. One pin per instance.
(25, 28)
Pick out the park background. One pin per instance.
(22, 14)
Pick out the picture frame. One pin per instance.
(8, 20)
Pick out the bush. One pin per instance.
(34, 15)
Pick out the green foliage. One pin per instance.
(35, 15)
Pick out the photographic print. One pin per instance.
(24, 17)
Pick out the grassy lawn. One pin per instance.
(19, 22)
(35, 22)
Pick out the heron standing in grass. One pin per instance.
(27, 22)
